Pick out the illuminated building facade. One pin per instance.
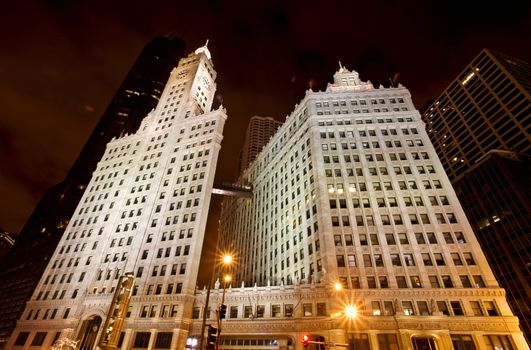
(139, 93)
(144, 211)
(350, 190)
(257, 135)
(475, 125)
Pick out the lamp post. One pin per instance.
(225, 262)
(226, 279)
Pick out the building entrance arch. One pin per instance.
(89, 332)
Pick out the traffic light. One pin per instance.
(211, 338)
(222, 311)
(305, 339)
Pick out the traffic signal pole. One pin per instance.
(221, 314)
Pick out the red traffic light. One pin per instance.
(305, 339)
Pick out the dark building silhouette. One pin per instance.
(138, 94)
(487, 108)
(496, 195)
(257, 135)
(6, 243)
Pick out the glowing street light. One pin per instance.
(351, 311)
(227, 259)
(338, 286)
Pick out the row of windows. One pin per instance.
(394, 219)
(363, 110)
(371, 158)
(166, 252)
(379, 120)
(390, 202)
(158, 289)
(401, 238)
(372, 101)
(404, 259)
(415, 282)
(47, 314)
(372, 132)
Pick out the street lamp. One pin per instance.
(351, 311)
(226, 260)
(223, 308)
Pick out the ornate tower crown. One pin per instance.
(204, 49)
(348, 80)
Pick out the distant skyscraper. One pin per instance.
(487, 108)
(138, 94)
(259, 132)
(350, 190)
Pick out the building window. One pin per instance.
(21, 338)
(498, 342)
(38, 339)
(491, 308)
(376, 311)
(260, 310)
(387, 342)
(443, 307)
(307, 309)
(234, 312)
(423, 343)
(462, 342)
(321, 309)
(288, 310)
(456, 308)
(408, 308)
(163, 340)
(423, 308)
(142, 340)
(476, 308)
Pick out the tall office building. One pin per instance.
(138, 94)
(496, 196)
(350, 190)
(488, 108)
(144, 211)
(258, 133)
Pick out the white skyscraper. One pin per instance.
(350, 190)
(144, 212)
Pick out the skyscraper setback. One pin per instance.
(138, 94)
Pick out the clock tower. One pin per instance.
(193, 85)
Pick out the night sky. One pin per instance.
(62, 61)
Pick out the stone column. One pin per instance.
(152, 339)
(127, 339)
(178, 340)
